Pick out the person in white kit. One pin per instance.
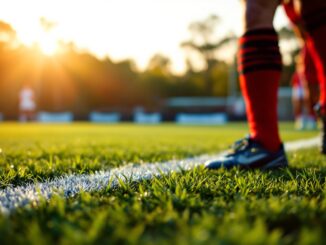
(27, 104)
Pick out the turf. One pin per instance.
(195, 207)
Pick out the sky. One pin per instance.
(121, 29)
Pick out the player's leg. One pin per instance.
(313, 14)
(311, 89)
(312, 81)
(260, 67)
(307, 71)
(311, 84)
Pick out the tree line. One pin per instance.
(80, 82)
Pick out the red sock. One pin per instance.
(260, 66)
(314, 17)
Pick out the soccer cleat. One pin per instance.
(321, 113)
(323, 136)
(249, 154)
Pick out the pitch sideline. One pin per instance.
(70, 185)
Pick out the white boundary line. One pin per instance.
(70, 185)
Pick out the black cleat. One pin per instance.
(323, 137)
(321, 113)
(249, 154)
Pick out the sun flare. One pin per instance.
(49, 47)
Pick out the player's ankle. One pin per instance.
(269, 144)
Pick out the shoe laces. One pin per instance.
(240, 145)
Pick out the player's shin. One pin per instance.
(260, 67)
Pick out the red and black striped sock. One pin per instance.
(314, 17)
(260, 66)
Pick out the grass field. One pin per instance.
(196, 207)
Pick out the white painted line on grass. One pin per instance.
(302, 144)
(70, 185)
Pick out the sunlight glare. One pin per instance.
(48, 46)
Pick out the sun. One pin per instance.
(44, 35)
(47, 43)
(46, 40)
(49, 47)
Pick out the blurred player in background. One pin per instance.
(260, 66)
(311, 75)
(304, 92)
(27, 104)
(304, 81)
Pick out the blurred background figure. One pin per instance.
(27, 104)
(305, 82)
(312, 85)
(305, 91)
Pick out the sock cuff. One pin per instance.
(260, 32)
(259, 37)
(259, 50)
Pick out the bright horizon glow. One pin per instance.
(48, 48)
(47, 44)
(124, 29)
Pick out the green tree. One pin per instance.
(205, 43)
